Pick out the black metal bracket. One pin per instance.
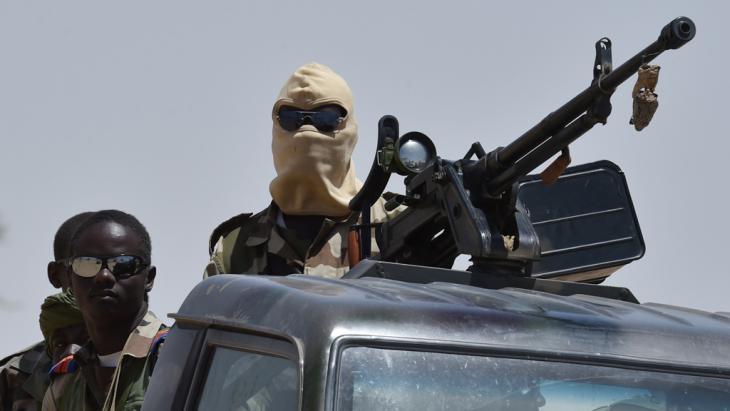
(603, 64)
(476, 149)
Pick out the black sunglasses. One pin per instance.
(121, 265)
(325, 121)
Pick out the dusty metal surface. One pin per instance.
(315, 311)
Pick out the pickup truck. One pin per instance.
(305, 343)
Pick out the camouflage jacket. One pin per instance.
(24, 378)
(261, 244)
(70, 390)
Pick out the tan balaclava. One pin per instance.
(315, 174)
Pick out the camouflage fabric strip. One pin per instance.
(67, 365)
(158, 340)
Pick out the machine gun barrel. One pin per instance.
(471, 206)
(674, 35)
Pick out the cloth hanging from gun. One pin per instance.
(645, 99)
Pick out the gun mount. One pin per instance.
(470, 205)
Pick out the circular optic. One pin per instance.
(414, 153)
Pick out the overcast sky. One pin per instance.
(162, 109)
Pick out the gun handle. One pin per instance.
(551, 174)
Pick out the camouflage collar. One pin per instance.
(263, 223)
(268, 219)
(329, 226)
(287, 244)
(139, 343)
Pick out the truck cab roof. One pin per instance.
(305, 308)
(311, 321)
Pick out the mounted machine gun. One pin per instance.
(472, 205)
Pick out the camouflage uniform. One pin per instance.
(261, 244)
(24, 378)
(69, 389)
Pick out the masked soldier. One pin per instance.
(305, 228)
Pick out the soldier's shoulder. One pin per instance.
(25, 359)
(235, 223)
(10, 365)
(226, 228)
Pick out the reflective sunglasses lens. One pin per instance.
(124, 264)
(86, 266)
(290, 120)
(325, 120)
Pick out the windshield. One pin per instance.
(389, 379)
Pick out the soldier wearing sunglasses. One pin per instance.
(304, 229)
(111, 275)
(24, 375)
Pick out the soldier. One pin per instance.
(24, 375)
(62, 325)
(304, 229)
(111, 277)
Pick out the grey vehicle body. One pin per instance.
(326, 339)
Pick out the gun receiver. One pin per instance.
(470, 206)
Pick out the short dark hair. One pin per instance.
(64, 234)
(121, 218)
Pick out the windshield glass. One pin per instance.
(388, 379)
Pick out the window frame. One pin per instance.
(249, 342)
(187, 346)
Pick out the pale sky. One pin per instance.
(162, 109)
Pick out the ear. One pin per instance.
(151, 273)
(54, 274)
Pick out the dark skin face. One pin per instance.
(112, 306)
(63, 338)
